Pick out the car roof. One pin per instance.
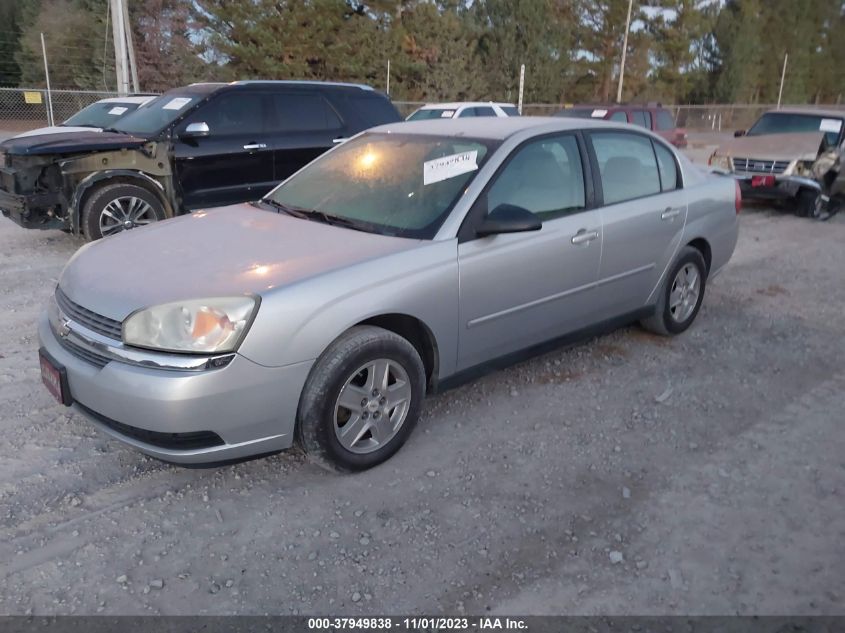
(816, 111)
(128, 99)
(454, 105)
(494, 128)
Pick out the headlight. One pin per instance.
(720, 162)
(197, 325)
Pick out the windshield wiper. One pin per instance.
(315, 214)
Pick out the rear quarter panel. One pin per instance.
(711, 213)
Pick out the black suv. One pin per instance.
(202, 145)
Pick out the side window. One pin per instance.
(467, 112)
(232, 113)
(627, 165)
(545, 177)
(620, 116)
(665, 120)
(639, 118)
(668, 168)
(303, 112)
(484, 111)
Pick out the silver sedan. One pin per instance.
(398, 263)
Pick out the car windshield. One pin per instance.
(154, 116)
(101, 114)
(432, 113)
(785, 123)
(394, 184)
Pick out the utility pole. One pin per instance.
(782, 77)
(124, 53)
(47, 76)
(388, 78)
(624, 53)
(127, 28)
(521, 87)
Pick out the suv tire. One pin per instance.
(118, 207)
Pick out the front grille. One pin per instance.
(760, 166)
(86, 318)
(80, 352)
(174, 441)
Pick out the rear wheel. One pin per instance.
(119, 207)
(681, 295)
(361, 400)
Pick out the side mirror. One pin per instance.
(196, 130)
(508, 218)
(739, 133)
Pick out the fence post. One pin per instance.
(47, 75)
(521, 85)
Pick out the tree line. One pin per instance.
(679, 51)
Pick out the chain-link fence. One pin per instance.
(23, 109)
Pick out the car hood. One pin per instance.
(802, 145)
(58, 129)
(227, 251)
(70, 143)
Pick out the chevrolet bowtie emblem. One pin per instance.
(64, 327)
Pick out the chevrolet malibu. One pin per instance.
(403, 260)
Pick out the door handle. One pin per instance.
(255, 146)
(670, 213)
(583, 236)
(339, 140)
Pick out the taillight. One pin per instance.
(738, 198)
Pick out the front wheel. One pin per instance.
(809, 203)
(681, 294)
(361, 400)
(118, 207)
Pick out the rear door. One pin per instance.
(303, 125)
(233, 163)
(643, 214)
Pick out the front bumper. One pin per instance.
(174, 415)
(784, 186)
(32, 211)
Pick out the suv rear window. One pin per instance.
(665, 120)
(641, 118)
(299, 112)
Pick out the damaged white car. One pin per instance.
(793, 154)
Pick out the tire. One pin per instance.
(118, 207)
(346, 373)
(808, 204)
(669, 320)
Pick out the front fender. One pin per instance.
(298, 322)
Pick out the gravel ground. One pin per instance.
(628, 475)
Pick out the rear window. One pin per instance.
(298, 112)
(665, 120)
(641, 118)
(510, 110)
(627, 165)
(372, 108)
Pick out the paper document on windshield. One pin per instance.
(449, 166)
(830, 125)
(176, 104)
(117, 110)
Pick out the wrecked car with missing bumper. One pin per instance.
(790, 154)
(194, 147)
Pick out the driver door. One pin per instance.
(234, 162)
(521, 289)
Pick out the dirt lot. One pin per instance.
(631, 474)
